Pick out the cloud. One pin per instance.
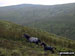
(44, 2)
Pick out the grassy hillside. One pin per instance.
(12, 42)
(57, 19)
(61, 28)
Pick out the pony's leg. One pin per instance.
(39, 41)
(37, 44)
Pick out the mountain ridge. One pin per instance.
(39, 4)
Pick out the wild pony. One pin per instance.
(46, 48)
(32, 39)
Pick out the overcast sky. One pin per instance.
(43, 2)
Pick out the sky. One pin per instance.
(42, 2)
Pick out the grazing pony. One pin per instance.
(32, 39)
(46, 48)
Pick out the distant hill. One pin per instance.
(57, 19)
(13, 43)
